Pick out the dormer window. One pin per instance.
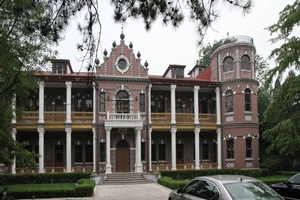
(177, 72)
(59, 68)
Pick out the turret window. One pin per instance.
(228, 64)
(245, 62)
(229, 101)
(247, 100)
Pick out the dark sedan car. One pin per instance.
(225, 187)
(289, 189)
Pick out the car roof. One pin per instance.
(227, 178)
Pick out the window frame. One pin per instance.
(228, 64)
(247, 93)
(248, 145)
(245, 64)
(229, 148)
(229, 101)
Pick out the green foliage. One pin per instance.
(83, 188)
(190, 174)
(283, 135)
(10, 179)
(207, 50)
(287, 55)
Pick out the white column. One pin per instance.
(108, 165)
(13, 121)
(41, 149)
(68, 109)
(13, 166)
(173, 104)
(218, 106)
(68, 147)
(149, 103)
(94, 150)
(196, 105)
(197, 153)
(173, 140)
(41, 102)
(150, 148)
(95, 103)
(219, 148)
(138, 166)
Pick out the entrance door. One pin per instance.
(123, 156)
(59, 152)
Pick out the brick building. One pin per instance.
(126, 120)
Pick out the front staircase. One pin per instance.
(124, 179)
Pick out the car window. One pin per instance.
(206, 190)
(189, 189)
(251, 190)
(295, 179)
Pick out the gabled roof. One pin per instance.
(205, 75)
(173, 66)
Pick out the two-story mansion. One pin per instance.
(125, 120)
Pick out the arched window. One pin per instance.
(228, 64)
(245, 62)
(122, 102)
(229, 101)
(247, 99)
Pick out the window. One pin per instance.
(228, 64)
(122, 64)
(177, 72)
(102, 151)
(229, 101)
(78, 153)
(248, 147)
(247, 99)
(88, 153)
(153, 152)
(206, 190)
(162, 152)
(122, 102)
(205, 151)
(60, 68)
(142, 102)
(102, 101)
(245, 62)
(143, 149)
(230, 150)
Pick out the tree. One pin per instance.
(283, 112)
(207, 50)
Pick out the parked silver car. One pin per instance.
(225, 187)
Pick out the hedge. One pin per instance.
(190, 174)
(10, 179)
(84, 188)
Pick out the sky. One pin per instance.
(164, 45)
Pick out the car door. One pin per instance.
(293, 187)
(188, 192)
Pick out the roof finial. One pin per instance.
(122, 36)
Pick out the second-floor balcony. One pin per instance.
(54, 117)
(183, 118)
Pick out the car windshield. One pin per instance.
(251, 191)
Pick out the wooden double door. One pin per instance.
(123, 156)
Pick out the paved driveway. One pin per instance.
(132, 192)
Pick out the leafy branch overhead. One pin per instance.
(173, 11)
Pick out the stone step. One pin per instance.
(125, 178)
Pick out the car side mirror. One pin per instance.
(179, 191)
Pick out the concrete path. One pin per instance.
(150, 191)
(132, 192)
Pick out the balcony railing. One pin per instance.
(182, 118)
(123, 116)
(161, 167)
(56, 117)
(76, 168)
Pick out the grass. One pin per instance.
(39, 187)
